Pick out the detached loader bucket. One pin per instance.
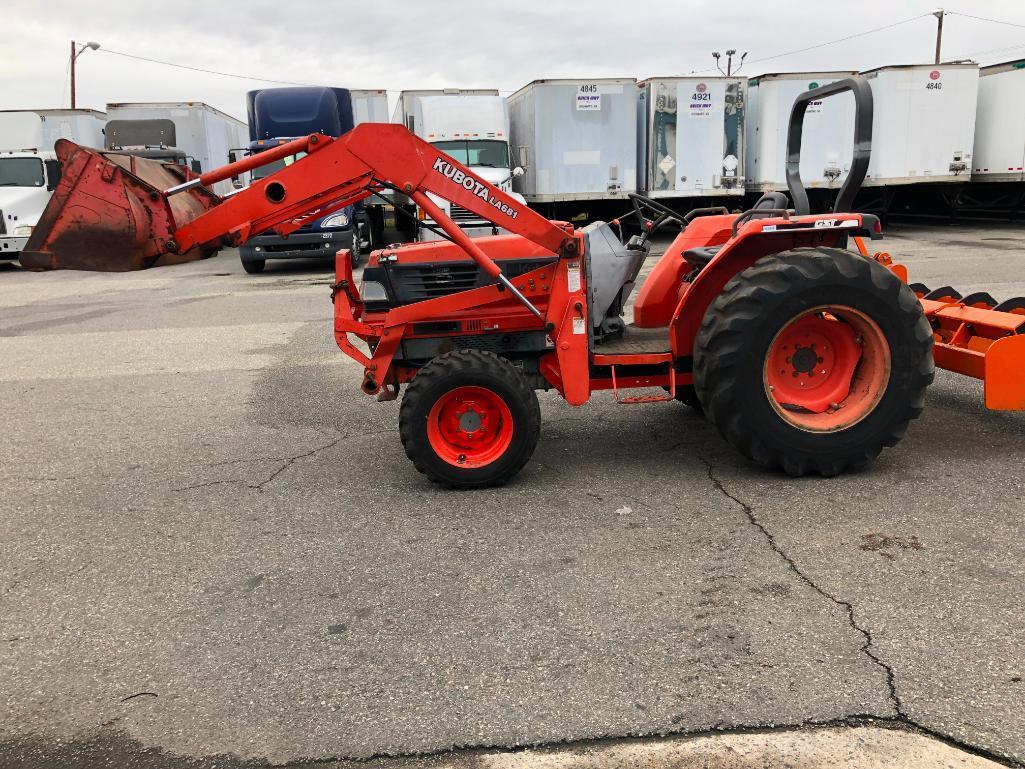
(109, 213)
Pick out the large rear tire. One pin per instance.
(469, 419)
(813, 361)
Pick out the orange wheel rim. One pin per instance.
(827, 369)
(470, 427)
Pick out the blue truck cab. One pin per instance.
(277, 115)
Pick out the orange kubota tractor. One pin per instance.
(808, 356)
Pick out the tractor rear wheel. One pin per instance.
(688, 396)
(813, 361)
(469, 419)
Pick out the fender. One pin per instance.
(756, 238)
(660, 292)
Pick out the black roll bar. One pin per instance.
(862, 142)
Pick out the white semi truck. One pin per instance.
(471, 126)
(188, 131)
(28, 165)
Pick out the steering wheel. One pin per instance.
(665, 214)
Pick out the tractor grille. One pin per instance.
(460, 215)
(463, 217)
(433, 281)
(416, 282)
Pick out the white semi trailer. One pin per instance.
(28, 165)
(923, 127)
(690, 137)
(369, 105)
(827, 143)
(405, 108)
(575, 139)
(205, 135)
(999, 154)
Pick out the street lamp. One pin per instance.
(729, 61)
(939, 13)
(74, 55)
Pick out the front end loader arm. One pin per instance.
(339, 172)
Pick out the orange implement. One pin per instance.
(977, 338)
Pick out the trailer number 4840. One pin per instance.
(934, 86)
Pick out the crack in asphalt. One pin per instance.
(118, 743)
(848, 607)
(852, 720)
(902, 718)
(292, 460)
(286, 462)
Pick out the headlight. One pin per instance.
(22, 231)
(338, 220)
(372, 291)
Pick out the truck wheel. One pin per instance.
(813, 361)
(253, 266)
(469, 419)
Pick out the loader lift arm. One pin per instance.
(340, 172)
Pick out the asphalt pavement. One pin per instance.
(212, 543)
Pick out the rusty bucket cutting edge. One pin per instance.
(109, 213)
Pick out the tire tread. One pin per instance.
(740, 308)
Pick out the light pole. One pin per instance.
(74, 55)
(939, 13)
(729, 61)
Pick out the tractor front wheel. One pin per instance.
(469, 419)
(813, 361)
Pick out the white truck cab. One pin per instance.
(29, 171)
(473, 129)
(26, 181)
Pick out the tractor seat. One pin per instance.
(698, 258)
(771, 200)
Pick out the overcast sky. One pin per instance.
(432, 44)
